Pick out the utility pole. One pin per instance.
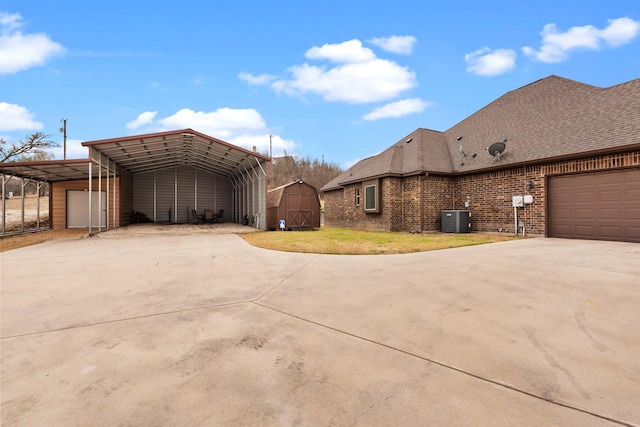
(270, 147)
(63, 129)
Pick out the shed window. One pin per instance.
(371, 196)
(357, 199)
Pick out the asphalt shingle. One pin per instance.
(549, 119)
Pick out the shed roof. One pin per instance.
(552, 118)
(145, 153)
(274, 196)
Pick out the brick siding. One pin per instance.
(489, 196)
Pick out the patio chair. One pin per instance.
(218, 216)
(196, 217)
(208, 216)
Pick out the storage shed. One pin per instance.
(296, 203)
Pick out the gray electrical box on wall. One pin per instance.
(456, 221)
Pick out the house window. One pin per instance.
(371, 197)
(357, 197)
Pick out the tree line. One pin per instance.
(315, 172)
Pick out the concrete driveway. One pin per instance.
(208, 330)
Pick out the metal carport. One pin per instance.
(128, 158)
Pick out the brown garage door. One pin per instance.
(597, 206)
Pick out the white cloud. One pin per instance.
(224, 123)
(557, 45)
(256, 80)
(402, 45)
(20, 51)
(373, 81)
(143, 119)
(75, 150)
(9, 22)
(348, 52)
(398, 109)
(359, 77)
(242, 127)
(15, 117)
(485, 62)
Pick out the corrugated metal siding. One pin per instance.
(124, 198)
(206, 185)
(186, 193)
(165, 194)
(143, 193)
(196, 189)
(250, 196)
(262, 200)
(224, 197)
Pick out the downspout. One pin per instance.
(402, 205)
(421, 178)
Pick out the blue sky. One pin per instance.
(341, 80)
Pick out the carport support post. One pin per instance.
(4, 205)
(90, 185)
(39, 185)
(100, 194)
(23, 185)
(108, 170)
(114, 197)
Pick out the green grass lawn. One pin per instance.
(343, 241)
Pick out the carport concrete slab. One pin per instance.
(207, 330)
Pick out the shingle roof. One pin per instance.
(421, 150)
(551, 118)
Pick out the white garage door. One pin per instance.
(78, 209)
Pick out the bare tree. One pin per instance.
(32, 147)
(290, 168)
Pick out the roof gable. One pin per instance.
(274, 196)
(420, 151)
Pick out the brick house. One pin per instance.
(572, 147)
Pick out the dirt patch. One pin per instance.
(13, 215)
(8, 243)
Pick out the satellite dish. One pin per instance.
(496, 149)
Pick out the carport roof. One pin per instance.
(185, 147)
(145, 153)
(49, 170)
